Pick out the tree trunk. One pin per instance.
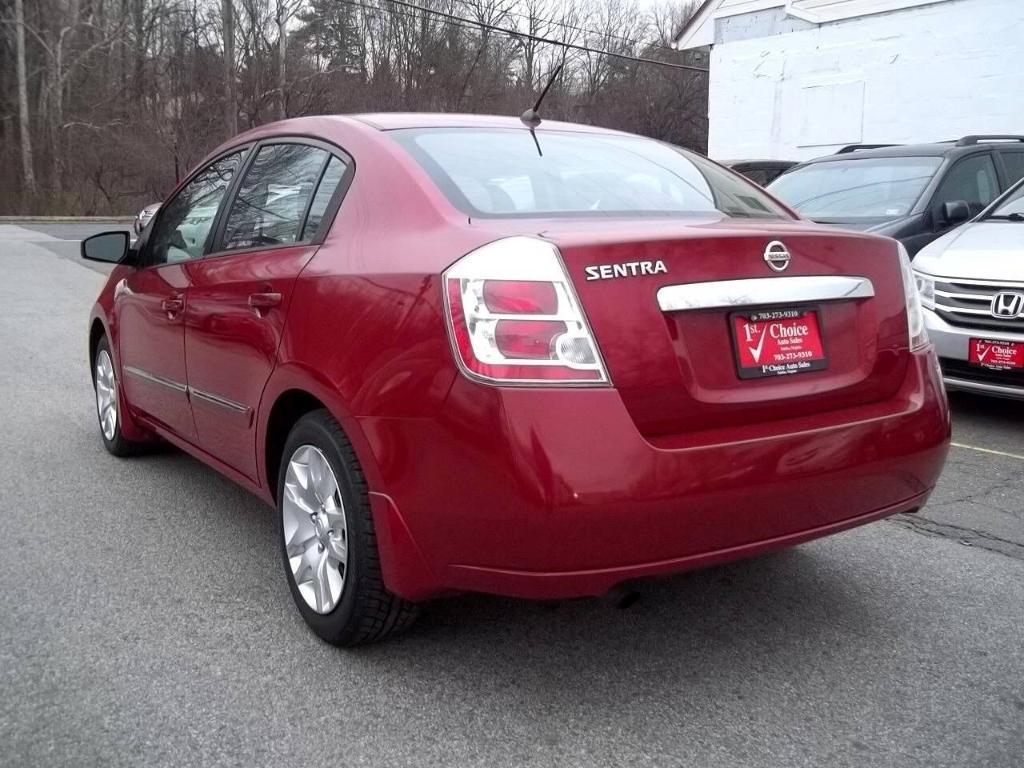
(230, 100)
(28, 172)
(138, 19)
(282, 51)
(57, 119)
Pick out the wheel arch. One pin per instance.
(294, 389)
(405, 570)
(96, 332)
(290, 406)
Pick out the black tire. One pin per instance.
(117, 444)
(366, 612)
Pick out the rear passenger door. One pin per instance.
(240, 293)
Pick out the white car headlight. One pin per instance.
(925, 289)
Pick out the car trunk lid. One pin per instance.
(679, 310)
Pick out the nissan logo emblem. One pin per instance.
(1007, 304)
(776, 256)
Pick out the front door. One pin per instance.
(150, 303)
(240, 294)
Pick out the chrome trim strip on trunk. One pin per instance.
(727, 294)
(223, 402)
(153, 378)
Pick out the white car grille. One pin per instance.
(970, 303)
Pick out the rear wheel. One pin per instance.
(328, 542)
(108, 403)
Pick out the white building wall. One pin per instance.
(924, 74)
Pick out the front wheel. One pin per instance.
(108, 403)
(328, 541)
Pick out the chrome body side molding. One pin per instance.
(190, 392)
(223, 402)
(138, 373)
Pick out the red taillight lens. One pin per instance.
(520, 297)
(514, 316)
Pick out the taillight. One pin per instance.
(915, 315)
(515, 319)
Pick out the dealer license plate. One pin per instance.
(996, 355)
(777, 342)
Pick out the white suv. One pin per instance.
(971, 282)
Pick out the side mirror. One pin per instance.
(108, 247)
(955, 212)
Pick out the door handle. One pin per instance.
(261, 302)
(172, 305)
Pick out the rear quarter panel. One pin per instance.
(365, 332)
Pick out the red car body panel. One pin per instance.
(232, 348)
(151, 339)
(537, 491)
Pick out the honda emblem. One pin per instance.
(1007, 304)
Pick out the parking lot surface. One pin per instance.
(146, 621)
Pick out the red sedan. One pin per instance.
(460, 356)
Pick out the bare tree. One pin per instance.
(124, 96)
(27, 170)
(230, 98)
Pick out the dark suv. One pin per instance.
(912, 192)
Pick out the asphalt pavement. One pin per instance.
(145, 619)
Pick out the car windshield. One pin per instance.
(1010, 208)
(501, 173)
(864, 188)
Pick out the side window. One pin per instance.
(184, 223)
(270, 206)
(972, 180)
(333, 174)
(1014, 162)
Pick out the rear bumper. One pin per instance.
(554, 493)
(951, 345)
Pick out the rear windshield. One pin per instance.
(500, 173)
(868, 188)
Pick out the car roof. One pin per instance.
(937, 149)
(933, 149)
(391, 121)
(734, 163)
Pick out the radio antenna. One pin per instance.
(531, 117)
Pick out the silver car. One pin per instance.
(144, 216)
(971, 282)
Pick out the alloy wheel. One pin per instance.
(314, 528)
(106, 394)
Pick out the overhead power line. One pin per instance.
(464, 22)
(566, 25)
(539, 39)
(470, 25)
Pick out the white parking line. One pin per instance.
(1017, 456)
